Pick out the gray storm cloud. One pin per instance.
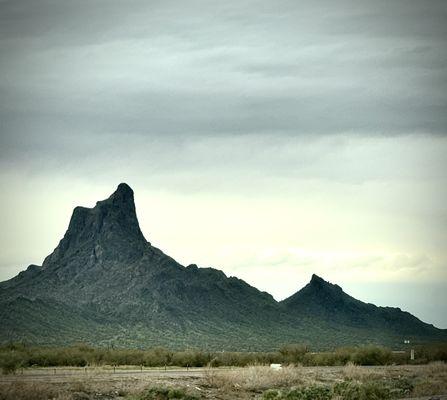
(206, 68)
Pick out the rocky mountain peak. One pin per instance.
(317, 280)
(317, 291)
(109, 227)
(318, 283)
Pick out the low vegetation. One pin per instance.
(255, 378)
(15, 356)
(350, 382)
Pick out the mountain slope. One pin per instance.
(105, 284)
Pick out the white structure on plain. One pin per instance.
(276, 367)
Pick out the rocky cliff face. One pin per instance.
(107, 232)
(104, 283)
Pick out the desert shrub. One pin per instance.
(310, 393)
(343, 355)
(214, 363)
(319, 359)
(370, 390)
(293, 353)
(242, 359)
(313, 392)
(125, 357)
(166, 394)
(237, 359)
(368, 355)
(339, 356)
(157, 357)
(81, 355)
(272, 394)
(431, 352)
(400, 358)
(371, 355)
(429, 387)
(53, 357)
(402, 387)
(191, 358)
(10, 362)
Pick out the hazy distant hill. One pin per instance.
(105, 284)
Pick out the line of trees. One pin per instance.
(13, 356)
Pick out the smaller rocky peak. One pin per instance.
(316, 292)
(31, 271)
(317, 280)
(33, 268)
(318, 283)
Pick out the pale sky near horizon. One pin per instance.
(271, 140)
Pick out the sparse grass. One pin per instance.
(72, 389)
(352, 371)
(254, 378)
(431, 380)
(436, 367)
(31, 391)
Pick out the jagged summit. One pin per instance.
(122, 195)
(319, 283)
(110, 229)
(317, 279)
(122, 198)
(124, 188)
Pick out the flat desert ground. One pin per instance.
(423, 381)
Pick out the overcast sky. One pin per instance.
(270, 139)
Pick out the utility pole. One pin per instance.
(406, 341)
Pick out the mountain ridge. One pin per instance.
(105, 283)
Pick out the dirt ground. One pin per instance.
(427, 382)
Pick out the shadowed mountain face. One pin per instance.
(337, 308)
(105, 284)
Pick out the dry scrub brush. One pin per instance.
(431, 379)
(436, 367)
(31, 391)
(254, 378)
(352, 371)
